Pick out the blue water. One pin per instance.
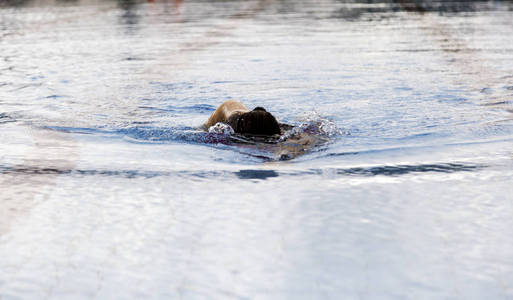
(109, 188)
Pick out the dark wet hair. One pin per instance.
(257, 122)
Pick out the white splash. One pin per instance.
(313, 123)
(221, 128)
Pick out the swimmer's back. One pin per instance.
(224, 111)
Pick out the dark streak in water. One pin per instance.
(4, 118)
(256, 174)
(496, 103)
(54, 96)
(199, 108)
(25, 86)
(407, 169)
(249, 173)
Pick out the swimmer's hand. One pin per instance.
(221, 128)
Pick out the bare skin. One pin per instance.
(224, 111)
(289, 149)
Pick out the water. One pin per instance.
(110, 190)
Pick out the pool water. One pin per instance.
(109, 188)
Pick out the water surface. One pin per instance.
(109, 189)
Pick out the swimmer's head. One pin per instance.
(258, 122)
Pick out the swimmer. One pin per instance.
(260, 129)
(243, 121)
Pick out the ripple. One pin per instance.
(4, 118)
(152, 191)
(198, 108)
(55, 96)
(379, 170)
(407, 169)
(256, 174)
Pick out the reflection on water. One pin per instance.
(348, 7)
(441, 7)
(256, 174)
(107, 180)
(129, 16)
(247, 173)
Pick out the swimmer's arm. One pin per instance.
(217, 116)
(224, 111)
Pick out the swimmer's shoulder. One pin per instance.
(224, 111)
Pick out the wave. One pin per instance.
(290, 144)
